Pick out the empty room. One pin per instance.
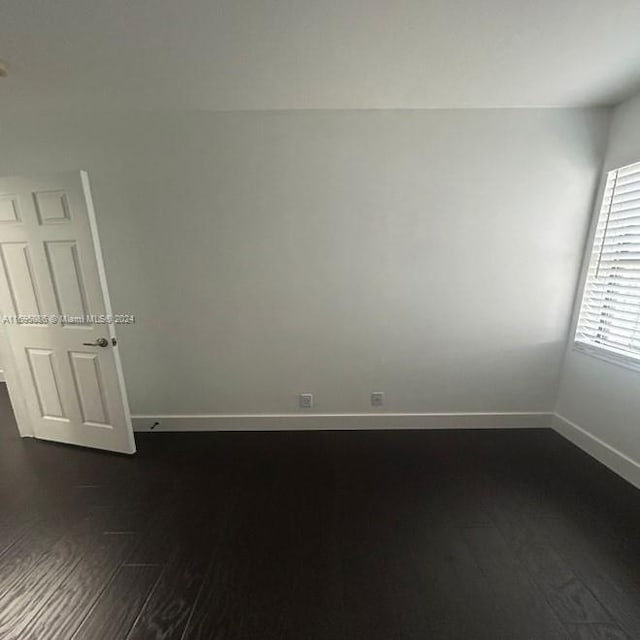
(320, 320)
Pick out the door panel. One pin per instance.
(16, 258)
(68, 286)
(46, 383)
(89, 387)
(9, 211)
(52, 269)
(52, 207)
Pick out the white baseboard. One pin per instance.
(606, 454)
(343, 421)
(617, 461)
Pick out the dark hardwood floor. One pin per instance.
(472, 535)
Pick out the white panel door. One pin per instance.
(68, 374)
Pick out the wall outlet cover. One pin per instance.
(377, 399)
(305, 400)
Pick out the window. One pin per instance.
(609, 318)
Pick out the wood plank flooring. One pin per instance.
(434, 535)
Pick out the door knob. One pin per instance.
(100, 342)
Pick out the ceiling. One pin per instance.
(317, 54)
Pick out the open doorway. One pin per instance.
(8, 425)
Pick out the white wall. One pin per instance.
(603, 399)
(431, 255)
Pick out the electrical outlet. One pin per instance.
(305, 400)
(377, 399)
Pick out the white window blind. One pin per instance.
(610, 313)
